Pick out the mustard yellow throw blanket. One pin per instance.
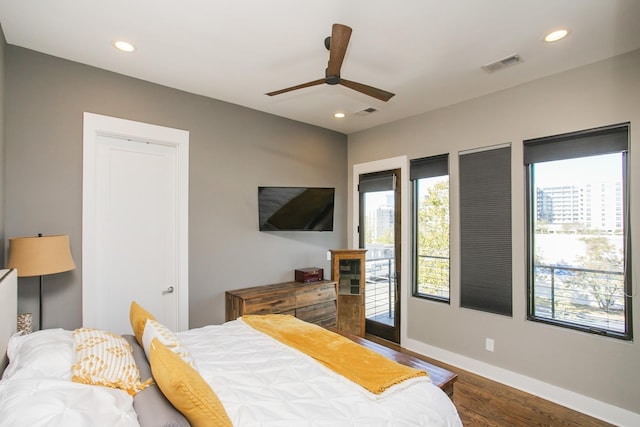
(361, 365)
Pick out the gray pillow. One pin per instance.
(153, 409)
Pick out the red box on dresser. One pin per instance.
(311, 274)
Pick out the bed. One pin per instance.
(232, 374)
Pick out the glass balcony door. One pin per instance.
(380, 236)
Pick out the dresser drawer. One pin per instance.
(273, 303)
(310, 295)
(323, 314)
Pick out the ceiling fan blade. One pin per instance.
(380, 94)
(340, 35)
(300, 86)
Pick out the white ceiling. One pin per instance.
(427, 52)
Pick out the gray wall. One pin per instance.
(603, 93)
(3, 46)
(233, 150)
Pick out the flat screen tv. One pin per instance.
(295, 208)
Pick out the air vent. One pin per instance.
(502, 63)
(366, 111)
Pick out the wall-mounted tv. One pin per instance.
(295, 208)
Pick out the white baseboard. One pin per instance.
(577, 402)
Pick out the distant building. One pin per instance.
(596, 206)
(384, 220)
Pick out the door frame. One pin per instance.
(402, 163)
(98, 125)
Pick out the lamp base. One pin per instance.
(25, 323)
(40, 313)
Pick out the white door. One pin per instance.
(132, 235)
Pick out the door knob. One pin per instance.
(169, 290)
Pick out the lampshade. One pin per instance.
(39, 256)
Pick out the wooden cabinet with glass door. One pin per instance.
(348, 271)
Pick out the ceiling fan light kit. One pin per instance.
(337, 46)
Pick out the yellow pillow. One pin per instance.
(103, 358)
(185, 388)
(154, 329)
(138, 317)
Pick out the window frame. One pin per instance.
(596, 136)
(416, 172)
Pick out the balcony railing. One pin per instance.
(380, 290)
(433, 276)
(588, 297)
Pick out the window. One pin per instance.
(578, 234)
(430, 178)
(485, 230)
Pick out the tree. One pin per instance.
(387, 237)
(433, 240)
(602, 258)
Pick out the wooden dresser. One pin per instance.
(313, 302)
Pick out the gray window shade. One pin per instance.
(605, 140)
(428, 167)
(485, 231)
(378, 181)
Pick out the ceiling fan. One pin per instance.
(337, 46)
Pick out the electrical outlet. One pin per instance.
(488, 344)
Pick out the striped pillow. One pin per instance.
(154, 329)
(106, 359)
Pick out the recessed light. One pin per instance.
(554, 36)
(339, 115)
(124, 46)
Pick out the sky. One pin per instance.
(595, 169)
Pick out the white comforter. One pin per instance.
(265, 383)
(260, 381)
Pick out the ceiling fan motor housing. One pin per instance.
(331, 80)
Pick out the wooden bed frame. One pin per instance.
(8, 311)
(439, 376)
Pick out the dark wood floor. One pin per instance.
(482, 402)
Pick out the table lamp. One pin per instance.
(40, 256)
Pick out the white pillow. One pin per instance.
(42, 354)
(154, 329)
